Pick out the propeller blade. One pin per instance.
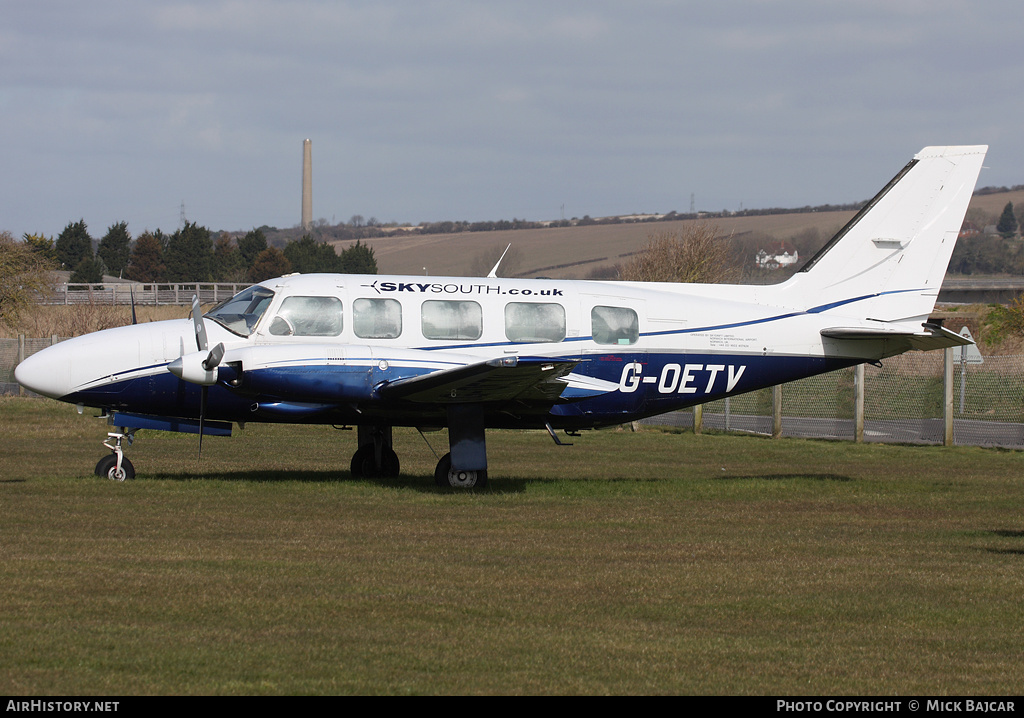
(213, 360)
(197, 321)
(131, 291)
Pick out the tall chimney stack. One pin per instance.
(307, 184)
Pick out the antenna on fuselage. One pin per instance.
(493, 274)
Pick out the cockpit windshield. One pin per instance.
(241, 313)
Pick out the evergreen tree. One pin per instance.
(251, 245)
(146, 263)
(41, 245)
(270, 263)
(1007, 226)
(115, 248)
(227, 261)
(189, 255)
(358, 259)
(73, 245)
(88, 271)
(309, 256)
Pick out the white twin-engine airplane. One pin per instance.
(476, 353)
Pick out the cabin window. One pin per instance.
(614, 325)
(451, 320)
(241, 313)
(377, 318)
(308, 317)
(534, 322)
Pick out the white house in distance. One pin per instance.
(784, 256)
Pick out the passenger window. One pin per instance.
(377, 318)
(614, 325)
(451, 320)
(533, 322)
(308, 317)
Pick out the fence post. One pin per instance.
(858, 403)
(777, 411)
(698, 418)
(947, 396)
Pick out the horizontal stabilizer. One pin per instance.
(932, 337)
(528, 379)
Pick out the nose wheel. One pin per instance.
(116, 466)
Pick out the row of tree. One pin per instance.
(192, 255)
(979, 251)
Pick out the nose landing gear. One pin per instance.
(116, 466)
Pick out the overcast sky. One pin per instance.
(426, 110)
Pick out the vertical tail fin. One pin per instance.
(889, 260)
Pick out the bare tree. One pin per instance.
(697, 254)
(23, 275)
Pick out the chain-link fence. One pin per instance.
(904, 401)
(12, 352)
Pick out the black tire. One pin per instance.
(364, 464)
(392, 467)
(445, 477)
(127, 471)
(104, 464)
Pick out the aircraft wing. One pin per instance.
(933, 337)
(528, 379)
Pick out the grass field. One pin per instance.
(649, 562)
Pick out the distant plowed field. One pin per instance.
(575, 252)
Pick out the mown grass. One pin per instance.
(650, 562)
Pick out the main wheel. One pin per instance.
(364, 463)
(127, 471)
(446, 476)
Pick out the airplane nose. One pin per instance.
(46, 372)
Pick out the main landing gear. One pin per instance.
(464, 467)
(375, 458)
(446, 476)
(115, 466)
